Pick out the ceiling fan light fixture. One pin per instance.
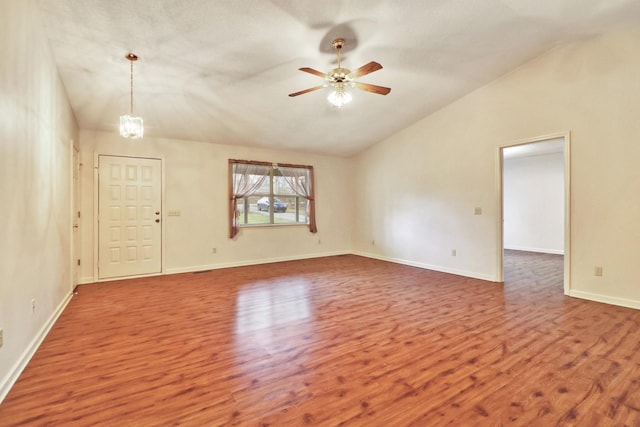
(130, 125)
(341, 79)
(339, 97)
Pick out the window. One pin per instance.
(266, 194)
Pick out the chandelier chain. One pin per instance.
(131, 88)
(130, 126)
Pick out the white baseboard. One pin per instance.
(441, 269)
(12, 376)
(194, 268)
(539, 250)
(622, 302)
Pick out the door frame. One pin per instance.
(567, 204)
(96, 225)
(76, 237)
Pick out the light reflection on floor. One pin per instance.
(262, 305)
(270, 321)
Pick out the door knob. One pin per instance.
(157, 219)
(157, 212)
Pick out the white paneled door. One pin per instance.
(129, 215)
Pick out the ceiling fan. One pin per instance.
(341, 79)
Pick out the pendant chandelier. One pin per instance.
(131, 126)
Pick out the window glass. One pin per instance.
(274, 202)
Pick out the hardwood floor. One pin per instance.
(334, 341)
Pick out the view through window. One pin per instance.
(274, 202)
(270, 194)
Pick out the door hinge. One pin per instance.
(78, 214)
(78, 261)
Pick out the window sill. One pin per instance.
(272, 225)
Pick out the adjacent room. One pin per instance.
(283, 212)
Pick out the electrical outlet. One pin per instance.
(597, 271)
(319, 241)
(477, 211)
(174, 213)
(33, 305)
(214, 251)
(373, 243)
(453, 252)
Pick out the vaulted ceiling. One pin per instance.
(220, 71)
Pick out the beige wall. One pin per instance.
(36, 129)
(419, 187)
(196, 184)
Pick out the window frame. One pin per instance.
(272, 196)
(307, 192)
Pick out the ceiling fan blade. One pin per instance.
(314, 72)
(302, 92)
(365, 69)
(380, 90)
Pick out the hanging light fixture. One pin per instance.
(131, 126)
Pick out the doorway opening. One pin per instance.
(534, 197)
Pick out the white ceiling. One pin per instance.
(220, 71)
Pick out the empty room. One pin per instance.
(285, 212)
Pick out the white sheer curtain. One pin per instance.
(245, 179)
(300, 179)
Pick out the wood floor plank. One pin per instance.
(334, 341)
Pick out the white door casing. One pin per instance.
(129, 216)
(75, 223)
